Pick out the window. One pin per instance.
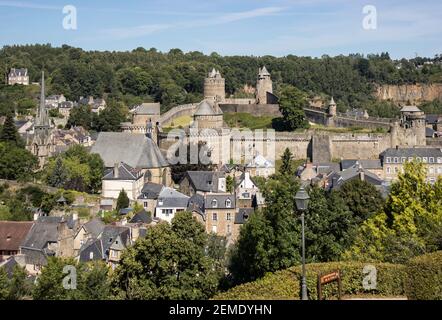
(388, 170)
(396, 169)
(424, 159)
(431, 170)
(388, 160)
(228, 203)
(431, 160)
(396, 159)
(114, 254)
(214, 229)
(214, 203)
(410, 159)
(145, 204)
(214, 216)
(439, 160)
(418, 159)
(166, 212)
(403, 159)
(91, 255)
(229, 216)
(246, 195)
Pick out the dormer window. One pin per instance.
(228, 203)
(214, 203)
(91, 255)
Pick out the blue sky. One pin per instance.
(230, 27)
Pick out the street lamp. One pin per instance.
(302, 199)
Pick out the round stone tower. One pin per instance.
(214, 87)
(263, 85)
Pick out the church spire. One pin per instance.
(42, 119)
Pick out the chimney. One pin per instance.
(116, 170)
(36, 215)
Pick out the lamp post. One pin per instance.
(302, 199)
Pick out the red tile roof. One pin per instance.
(12, 234)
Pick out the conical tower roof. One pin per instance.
(264, 72)
(332, 102)
(204, 109)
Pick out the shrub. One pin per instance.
(286, 284)
(424, 277)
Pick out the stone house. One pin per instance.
(18, 76)
(203, 182)
(53, 101)
(122, 176)
(97, 105)
(149, 196)
(90, 230)
(169, 203)
(260, 166)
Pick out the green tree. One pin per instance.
(4, 284)
(287, 163)
(16, 163)
(9, 132)
(169, 263)
(95, 283)
(20, 286)
(409, 223)
(50, 282)
(59, 174)
(362, 198)
(291, 103)
(230, 184)
(123, 200)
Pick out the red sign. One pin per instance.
(329, 277)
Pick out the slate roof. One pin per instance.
(220, 201)
(148, 108)
(196, 203)
(366, 164)
(16, 72)
(243, 215)
(432, 118)
(150, 190)
(8, 265)
(141, 217)
(337, 179)
(206, 181)
(92, 245)
(94, 227)
(110, 234)
(125, 172)
(412, 152)
(13, 233)
(204, 109)
(136, 150)
(170, 198)
(429, 133)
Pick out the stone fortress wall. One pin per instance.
(320, 146)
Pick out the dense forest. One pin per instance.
(175, 77)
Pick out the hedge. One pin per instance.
(285, 284)
(424, 277)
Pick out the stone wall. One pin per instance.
(178, 111)
(254, 109)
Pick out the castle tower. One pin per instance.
(263, 85)
(331, 113)
(410, 129)
(214, 87)
(41, 144)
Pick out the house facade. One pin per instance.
(18, 76)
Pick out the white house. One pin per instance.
(170, 202)
(122, 176)
(260, 166)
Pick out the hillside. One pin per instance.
(176, 77)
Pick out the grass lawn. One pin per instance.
(246, 120)
(183, 121)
